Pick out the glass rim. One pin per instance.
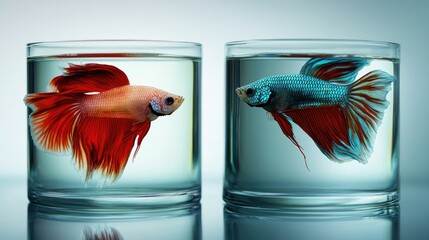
(64, 42)
(126, 46)
(312, 40)
(315, 46)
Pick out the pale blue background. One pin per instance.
(213, 23)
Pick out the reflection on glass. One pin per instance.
(250, 224)
(46, 223)
(106, 233)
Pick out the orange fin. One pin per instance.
(58, 124)
(105, 144)
(91, 77)
(328, 128)
(53, 119)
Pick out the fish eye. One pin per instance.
(169, 100)
(250, 92)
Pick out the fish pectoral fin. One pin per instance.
(286, 127)
(327, 127)
(338, 70)
(139, 130)
(269, 115)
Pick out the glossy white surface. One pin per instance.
(412, 222)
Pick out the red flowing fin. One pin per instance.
(58, 122)
(53, 119)
(339, 70)
(103, 144)
(286, 127)
(327, 127)
(91, 77)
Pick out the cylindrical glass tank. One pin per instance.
(114, 123)
(311, 123)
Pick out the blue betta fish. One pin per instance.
(339, 113)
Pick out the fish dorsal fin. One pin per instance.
(91, 77)
(338, 70)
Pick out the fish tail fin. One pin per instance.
(53, 119)
(364, 111)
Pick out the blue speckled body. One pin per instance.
(300, 91)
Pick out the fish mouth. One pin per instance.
(240, 92)
(179, 100)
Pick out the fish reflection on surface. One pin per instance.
(106, 233)
(376, 222)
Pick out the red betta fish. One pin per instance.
(339, 112)
(95, 112)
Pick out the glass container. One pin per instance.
(113, 123)
(311, 123)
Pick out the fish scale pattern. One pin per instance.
(302, 91)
